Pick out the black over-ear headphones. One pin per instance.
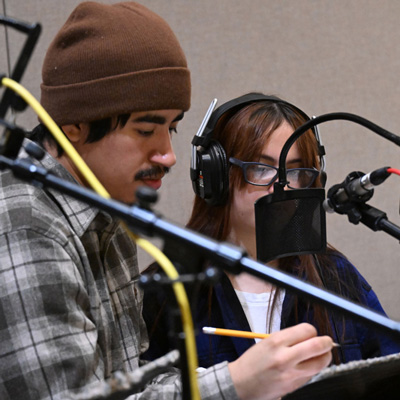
(209, 165)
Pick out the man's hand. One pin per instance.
(281, 363)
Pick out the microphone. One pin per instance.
(356, 188)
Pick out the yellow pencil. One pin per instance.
(243, 334)
(231, 332)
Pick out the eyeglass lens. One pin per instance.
(265, 175)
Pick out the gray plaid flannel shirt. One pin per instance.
(70, 306)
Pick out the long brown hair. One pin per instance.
(243, 134)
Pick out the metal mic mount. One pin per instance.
(342, 200)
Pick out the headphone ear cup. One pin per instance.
(212, 174)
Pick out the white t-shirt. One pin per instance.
(256, 307)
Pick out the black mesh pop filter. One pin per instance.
(290, 222)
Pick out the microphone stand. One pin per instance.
(33, 31)
(232, 258)
(377, 220)
(357, 211)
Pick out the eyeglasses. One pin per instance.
(260, 174)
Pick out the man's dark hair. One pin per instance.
(97, 130)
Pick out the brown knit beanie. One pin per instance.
(112, 59)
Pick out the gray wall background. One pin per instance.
(324, 56)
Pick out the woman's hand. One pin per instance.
(281, 363)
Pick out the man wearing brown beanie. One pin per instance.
(115, 79)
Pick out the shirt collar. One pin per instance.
(79, 213)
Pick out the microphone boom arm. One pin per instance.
(377, 220)
(232, 258)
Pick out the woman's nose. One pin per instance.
(270, 188)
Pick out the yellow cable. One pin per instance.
(158, 255)
(181, 297)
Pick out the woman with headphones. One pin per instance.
(236, 165)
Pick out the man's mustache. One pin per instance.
(155, 172)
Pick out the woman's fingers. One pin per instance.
(281, 363)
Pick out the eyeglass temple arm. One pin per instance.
(321, 148)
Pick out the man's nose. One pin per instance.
(164, 153)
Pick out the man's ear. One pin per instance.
(76, 132)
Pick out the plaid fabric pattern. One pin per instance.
(70, 306)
